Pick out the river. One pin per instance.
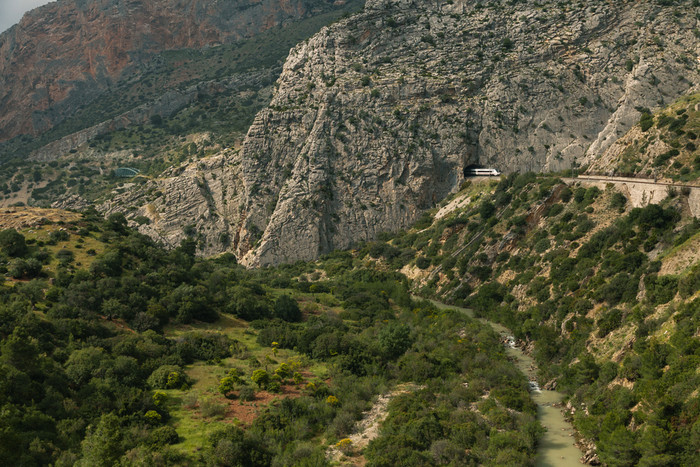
(556, 447)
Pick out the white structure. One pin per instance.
(471, 172)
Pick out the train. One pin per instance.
(486, 172)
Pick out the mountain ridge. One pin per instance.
(66, 53)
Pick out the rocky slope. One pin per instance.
(376, 116)
(62, 56)
(664, 145)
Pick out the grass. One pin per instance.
(193, 428)
(82, 260)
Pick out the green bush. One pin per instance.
(660, 289)
(168, 377)
(423, 262)
(163, 436)
(646, 121)
(609, 321)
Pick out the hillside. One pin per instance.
(64, 56)
(602, 292)
(664, 145)
(374, 119)
(115, 351)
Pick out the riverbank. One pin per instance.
(557, 446)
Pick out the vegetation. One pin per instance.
(134, 354)
(668, 143)
(580, 276)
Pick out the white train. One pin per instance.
(474, 172)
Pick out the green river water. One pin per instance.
(556, 447)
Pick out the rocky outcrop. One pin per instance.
(66, 53)
(198, 200)
(376, 116)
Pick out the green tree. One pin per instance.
(102, 447)
(287, 309)
(261, 378)
(618, 450)
(12, 243)
(486, 210)
(227, 385)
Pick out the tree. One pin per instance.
(116, 222)
(227, 385)
(618, 449)
(24, 269)
(102, 446)
(261, 378)
(12, 243)
(395, 340)
(287, 309)
(232, 446)
(486, 210)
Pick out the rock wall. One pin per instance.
(376, 116)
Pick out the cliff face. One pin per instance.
(376, 117)
(64, 54)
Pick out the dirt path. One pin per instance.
(367, 429)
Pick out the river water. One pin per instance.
(556, 447)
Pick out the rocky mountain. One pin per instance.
(63, 56)
(376, 116)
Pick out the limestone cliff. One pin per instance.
(376, 116)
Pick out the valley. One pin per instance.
(245, 233)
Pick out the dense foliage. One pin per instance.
(578, 272)
(100, 352)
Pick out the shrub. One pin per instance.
(211, 408)
(332, 401)
(247, 393)
(690, 283)
(554, 210)
(423, 262)
(661, 289)
(618, 201)
(168, 377)
(609, 321)
(486, 210)
(59, 236)
(646, 121)
(163, 436)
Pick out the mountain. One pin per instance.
(372, 120)
(375, 117)
(63, 56)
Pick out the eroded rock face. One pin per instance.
(64, 54)
(376, 116)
